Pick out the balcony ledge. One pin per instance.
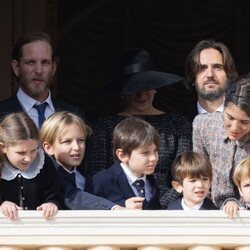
(127, 229)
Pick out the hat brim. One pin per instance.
(141, 81)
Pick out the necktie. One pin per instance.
(41, 110)
(140, 187)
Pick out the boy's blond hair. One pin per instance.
(192, 165)
(53, 127)
(241, 170)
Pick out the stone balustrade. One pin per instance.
(126, 230)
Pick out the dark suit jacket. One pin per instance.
(74, 198)
(176, 205)
(113, 185)
(12, 105)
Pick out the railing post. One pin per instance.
(204, 248)
(153, 248)
(54, 248)
(103, 248)
(10, 248)
(243, 248)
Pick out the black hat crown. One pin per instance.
(135, 73)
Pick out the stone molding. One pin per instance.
(174, 229)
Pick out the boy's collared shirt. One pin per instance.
(186, 208)
(132, 178)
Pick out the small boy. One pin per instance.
(192, 176)
(129, 181)
(241, 178)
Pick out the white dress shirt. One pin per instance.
(203, 111)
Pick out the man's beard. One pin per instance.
(210, 95)
(33, 90)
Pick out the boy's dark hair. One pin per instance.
(192, 165)
(238, 93)
(132, 133)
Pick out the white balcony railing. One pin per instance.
(106, 230)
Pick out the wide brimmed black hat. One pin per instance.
(135, 73)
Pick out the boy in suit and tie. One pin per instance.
(192, 176)
(129, 181)
(241, 178)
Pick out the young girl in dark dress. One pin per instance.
(27, 177)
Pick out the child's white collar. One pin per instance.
(10, 173)
(130, 176)
(185, 207)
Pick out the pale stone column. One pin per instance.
(10, 248)
(153, 248)
(204, 248)
(243, 248)
(55, 248)
(103, 248)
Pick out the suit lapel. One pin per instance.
(178, 204)
(15, 105)
(121, 180)
(151, 180)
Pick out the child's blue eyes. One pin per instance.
(69, 141)
(203, 179)
(65, 141)
(31, 152)
(148, 152)
(246, 185)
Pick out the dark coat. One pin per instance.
(76, 199)
(113, 185)
(12, 105)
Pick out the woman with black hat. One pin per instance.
(136, 82)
